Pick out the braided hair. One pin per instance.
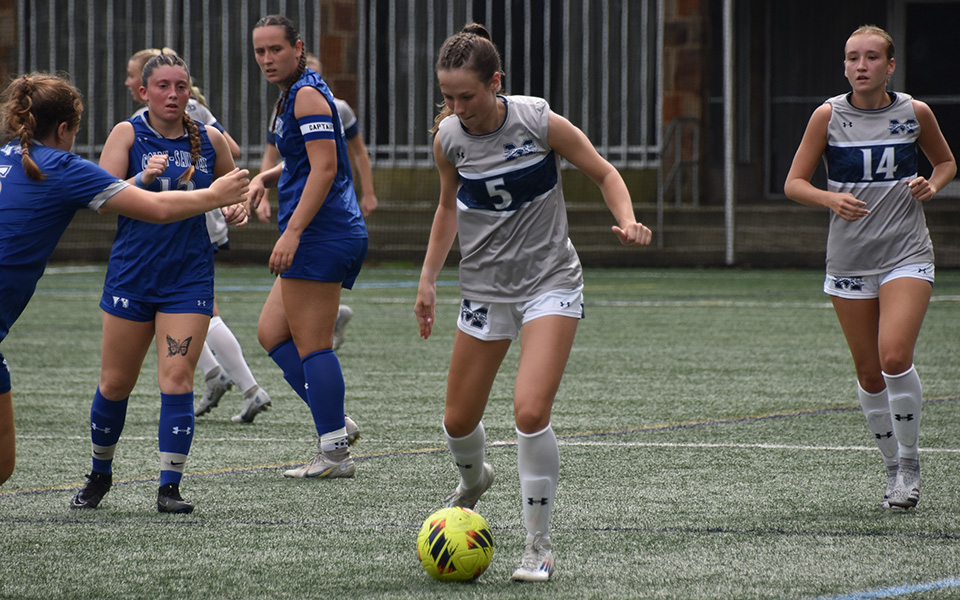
(471, 48)
(33, 107)
(170, 59)
(292, 36)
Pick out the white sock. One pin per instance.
(906, 394)
(208, 362)
(876, 408)
(228, 353)
(468, 451)
(538, 461)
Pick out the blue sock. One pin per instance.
(106, 423)
(288, 359)
(325, 390)
(175, 435)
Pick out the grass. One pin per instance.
(710, 448)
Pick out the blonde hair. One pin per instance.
(141, 57)
(877, 31)
(34, 106)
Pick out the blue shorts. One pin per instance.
(134, 310)
(331, 260)
(4, 376)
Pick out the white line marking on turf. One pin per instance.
(761, 446)
(900, 590)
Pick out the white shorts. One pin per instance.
(502, 320)
(863, 287)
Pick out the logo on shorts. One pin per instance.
(851, 284)
(473, 318)
(121, 301)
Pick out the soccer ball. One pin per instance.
(455, 544)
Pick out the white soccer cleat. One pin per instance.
(218, 384)
(891, 486)
(468, 498)
(907, 492)
(253, 405)
(321, 466)
(344, 314)
(537, 561)
(353, 430)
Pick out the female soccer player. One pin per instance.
(322, 244)
(879, 255)
(159, 280)
(500, 192)
(221, 358)
(42, 185)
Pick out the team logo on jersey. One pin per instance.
(473, 318)
(851, 284)
(898, 128)
(512, 151)
(4, 169)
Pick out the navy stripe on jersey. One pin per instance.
(866, 163)
(509, 190)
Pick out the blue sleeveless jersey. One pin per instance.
(160, 263)
(339, 217)
(34, 214)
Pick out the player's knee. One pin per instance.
(896, 361)
(529, 419)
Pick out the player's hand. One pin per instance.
(257, 198)
(425, 308)
(848, 207)
(235, 214)
(634, 234)
(368, 204)
(921, 189)
(156, 165)
(283, 251)
(231, 188)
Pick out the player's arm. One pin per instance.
(360, 158)
(798, 187)
(442, 233)
(572, 144)
(176, 205)
(235, 214)
(322, 154)
(937, 151)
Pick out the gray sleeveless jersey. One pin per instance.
(871, 154)
(511, 218)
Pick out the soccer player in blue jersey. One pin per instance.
(501, 196)
(42, 185)
(221, 358)
(879, 256)
(323, 240)
(159, 280)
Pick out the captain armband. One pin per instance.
(316, 127)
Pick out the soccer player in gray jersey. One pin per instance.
(879, 255)
(500, 192)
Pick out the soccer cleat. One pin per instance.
(93, 491)
(217, 385)
(468, 498)
(891, 485)
(323, 466)
(343, 317)
(537, 561)
(907, 491)
(353, 430)
(169, 500)
(253, 404)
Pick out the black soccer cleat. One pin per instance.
(90, 495)
(169, 500)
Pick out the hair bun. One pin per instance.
(477, 29)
